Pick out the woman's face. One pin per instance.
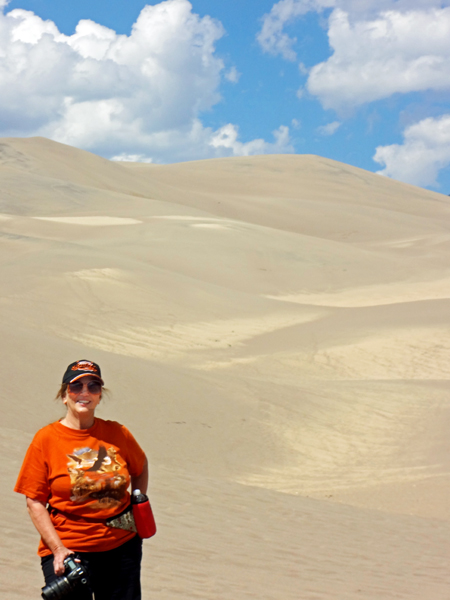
(84, 402)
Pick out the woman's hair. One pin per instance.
(62, 391)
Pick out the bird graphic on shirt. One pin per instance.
(94, 475)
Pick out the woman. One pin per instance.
(75, 477)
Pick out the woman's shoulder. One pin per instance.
(44, 434)
(46, 431)
(106, 423)
(112, 427)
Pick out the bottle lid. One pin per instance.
(136, 492)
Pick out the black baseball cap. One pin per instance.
(81, 368)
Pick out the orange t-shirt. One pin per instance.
(85, 473)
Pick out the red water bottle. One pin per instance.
(143, 515)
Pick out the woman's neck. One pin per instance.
(75, 422)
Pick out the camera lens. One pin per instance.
(57, 589)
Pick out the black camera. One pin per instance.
(74, 576)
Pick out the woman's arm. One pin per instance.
(141, 481)
(41, 520)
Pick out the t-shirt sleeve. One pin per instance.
(135, 455)
(33, 476)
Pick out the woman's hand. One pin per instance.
(59, 556)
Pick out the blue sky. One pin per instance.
(365, 82)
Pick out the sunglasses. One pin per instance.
(93, 387)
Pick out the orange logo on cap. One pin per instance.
(84, 365)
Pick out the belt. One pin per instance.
(123, 520)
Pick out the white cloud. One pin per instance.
(369, 8)
(98, 82)
(227, 138)
(378, 47)
(233, 75)
(275, 40)
(397, 52)
(330, 128)
(131, 158)
(272, 36)
(118, 95)
(424, 152)
(30, 28)
(303, 69)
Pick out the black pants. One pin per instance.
(113, 575)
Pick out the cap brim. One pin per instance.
(87, 375)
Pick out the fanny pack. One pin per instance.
(123, 520)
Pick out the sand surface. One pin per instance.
(274, 330)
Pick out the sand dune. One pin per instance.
(274, 331)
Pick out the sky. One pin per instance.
(364, 82)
